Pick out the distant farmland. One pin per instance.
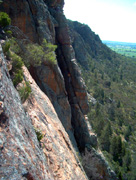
(124, 48)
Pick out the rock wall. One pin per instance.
(62, 83)
(86, 44)
(74, 83)
(21, 155)
(38, 23)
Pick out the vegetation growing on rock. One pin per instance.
(39, 134)
(17, 72)
(34, 54)
(4, 20)
(111, 79)
(24, 91)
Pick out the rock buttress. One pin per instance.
(74, 83)
(56, 145)
(20, 153)
(70, 91)
(39, 23)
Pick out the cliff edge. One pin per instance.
(57, 106)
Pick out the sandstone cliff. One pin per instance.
(61, 116)
(82, 37)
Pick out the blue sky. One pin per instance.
(113, 20)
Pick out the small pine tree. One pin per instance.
(128, 132)
(114, 148)
(117, 149)
(127, 160)
(105, 138)
(97, 109)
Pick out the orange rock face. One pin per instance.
(61, 158)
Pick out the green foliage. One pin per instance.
(4, 19)
(34, 54)
(17, 64)
(14, 47)
(120, 175)
(39, 134)
(117, 149)
(8, 32)
(6, 47)
(127, 160)
(17, 72)
(118, 104)
(111, 79)
(113, 86)
(97, 110)
(128, 132)
(24, 91)
(99, 94)
(127, 49)
(18, 77)
(105, 138)
(49, 52)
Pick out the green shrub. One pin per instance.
(36, 54)
(6, 47)
(25, 91)
(33, 55)
(39, 134)
(4, 19)
(17, 62)
(17, 78)
(8, 33)
(49, 50)
(17, 71)
(14, 47)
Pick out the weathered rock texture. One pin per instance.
(60, 155)
(74, 84)
(40, 23)
(20, 154)
(62, 83)
(86, 44)
(95, 166)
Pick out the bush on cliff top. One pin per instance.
(4, 20)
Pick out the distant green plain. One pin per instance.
(126, 49)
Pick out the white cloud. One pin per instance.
(135, 4)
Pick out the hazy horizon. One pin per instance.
(112, 21)
(119, 41)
